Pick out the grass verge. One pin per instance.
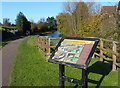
(31, 69)
(3, 43)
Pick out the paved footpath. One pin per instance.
(8, 54)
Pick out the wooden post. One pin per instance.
(39, 43)
(43, 44)
(46, 48)
(61, 74)
(114, 56)
(101, 51)
(49, 46)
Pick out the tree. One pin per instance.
(64, 24)
(69, 8)
(22, 23)
(76, 14)
(6, 22)
(51, 22)
(86, 19)
(33, 27)
(80, 15)
(42, 25)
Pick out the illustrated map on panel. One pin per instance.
(70, 50)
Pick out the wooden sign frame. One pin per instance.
(96, 40)
(83, 66)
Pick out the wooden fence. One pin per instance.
(45, 44)
(110, 48)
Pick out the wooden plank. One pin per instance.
(117, 64)
(101, 51)
(108, 59)
(110, 51)
(52, 46)
(114, 57)
(55, 38)
(109, 40)
(97, 54)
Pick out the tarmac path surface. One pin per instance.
(8, 53)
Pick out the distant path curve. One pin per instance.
(9, 52)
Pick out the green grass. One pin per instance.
(7, 27)
(31, 69)
(1, 28)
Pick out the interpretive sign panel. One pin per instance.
(74, 51)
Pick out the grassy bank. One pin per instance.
(7, 27)
(6, 41)
(31, 69)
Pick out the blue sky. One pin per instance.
(33, 10)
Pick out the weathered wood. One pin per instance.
(108, 59)
(55, 38)
(117, 64)
(114, 56)
(52, 46)
(97, 54)
(110, 51)
(109, 40)
(48, 45)
(101, 51)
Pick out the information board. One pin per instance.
(74, 51)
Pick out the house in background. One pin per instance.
(109, 19)
(108, 9)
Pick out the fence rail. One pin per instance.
(45, 44)
(112, 51)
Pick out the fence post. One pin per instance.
(39, 43)
(42, 43)
(101, 51)
(46, 49)
(49, 46)
(114, 56)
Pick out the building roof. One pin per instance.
(108, 9)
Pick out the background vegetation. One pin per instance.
(79, 19)
(88, 19)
